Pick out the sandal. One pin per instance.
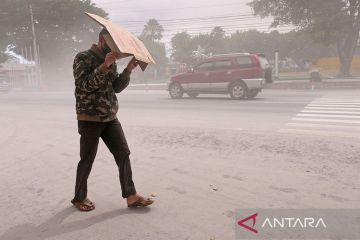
(84, 206)
(141, 202)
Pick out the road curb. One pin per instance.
(153, 86)
(329, 84)
(291, 84)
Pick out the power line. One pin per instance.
(176, 9)
(230, 23)
(222, 25)
(237, 26)
(250, 15)
(218, 21)
(221, 19)
(227, 30)
(205, 21)
(212, 23)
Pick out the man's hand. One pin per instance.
(110, 58)
(132, 64)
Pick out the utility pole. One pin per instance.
(36, 58)
(33, 33)
(277, 65)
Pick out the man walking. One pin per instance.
(96, 82)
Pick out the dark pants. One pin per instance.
(114, 138)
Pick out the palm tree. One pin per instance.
(152, 30)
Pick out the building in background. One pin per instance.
(20, 73)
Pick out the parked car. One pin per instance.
(239, 74)
(4, 84)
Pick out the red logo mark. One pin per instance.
(253, 217)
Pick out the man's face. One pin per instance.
(105, 48)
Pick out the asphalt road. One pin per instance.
(272, 110)
(201, 159)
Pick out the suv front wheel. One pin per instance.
(176, 91)
(238, 90)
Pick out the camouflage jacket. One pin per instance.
(94, 90)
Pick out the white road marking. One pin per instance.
(349, 99)
(334, 105)
(331, 117)
(315, 125)
(325, 120)
(318, 132)
(326, 115)
(339, 112)
(335, 102)
(333, 108)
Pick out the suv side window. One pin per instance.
(223, 64)
(244, 62)
(204, 67)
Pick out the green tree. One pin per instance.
(158, 52)
(217, 40)
(203, 41)
(182, 47)
(152, 30)
(297, 45)
(62, 29)
(151, 36)
(328, 22)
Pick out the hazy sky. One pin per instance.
(192, 16)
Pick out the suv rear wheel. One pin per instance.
(238, 90)
(176, 91)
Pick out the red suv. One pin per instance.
(239, 74)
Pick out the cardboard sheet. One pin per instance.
(123, 42)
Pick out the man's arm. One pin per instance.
(121, 81)
(87, 79)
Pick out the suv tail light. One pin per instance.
(257, 60)
(258, 65)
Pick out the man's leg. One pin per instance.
(90, 133)
(114, 138)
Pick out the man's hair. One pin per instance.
(103, 32)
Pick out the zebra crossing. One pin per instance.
(327, 116)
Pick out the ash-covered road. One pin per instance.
(201, 158)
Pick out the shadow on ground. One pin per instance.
(54, 226)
